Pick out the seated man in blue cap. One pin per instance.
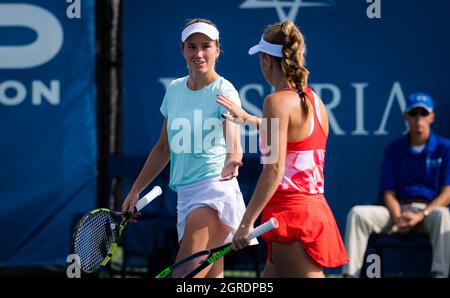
(415, 188)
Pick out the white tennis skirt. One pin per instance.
(223, 196)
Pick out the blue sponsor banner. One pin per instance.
(363, 67)
(48, 147)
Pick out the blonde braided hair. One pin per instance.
(293, 60)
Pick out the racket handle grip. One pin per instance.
(265, 227)
(150, 196)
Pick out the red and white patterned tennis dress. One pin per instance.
(299, 204)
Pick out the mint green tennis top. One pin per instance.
(194, 129)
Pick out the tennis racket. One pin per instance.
(98, 232)
(193, 264)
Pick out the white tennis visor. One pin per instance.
(263, 46)
(207, 29)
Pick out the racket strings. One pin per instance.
(94, 239)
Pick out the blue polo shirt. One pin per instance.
(416, 175)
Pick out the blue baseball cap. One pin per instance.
(419, 99)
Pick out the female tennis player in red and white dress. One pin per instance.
(291, 186)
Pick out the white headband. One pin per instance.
(268, 48)
(204, 28)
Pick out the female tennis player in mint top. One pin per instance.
(204, 152)
(291, 187)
